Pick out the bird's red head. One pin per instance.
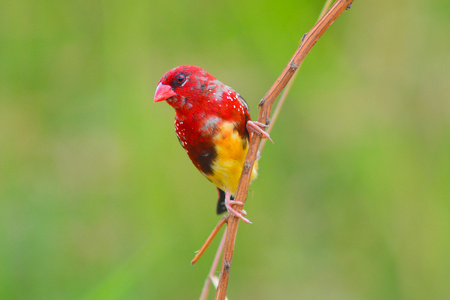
(182, 84)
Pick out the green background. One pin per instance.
(99, 201)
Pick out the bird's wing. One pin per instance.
(241, 99)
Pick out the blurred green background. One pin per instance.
(99, 201)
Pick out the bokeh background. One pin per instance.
(99, 201)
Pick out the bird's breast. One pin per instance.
(231, 149)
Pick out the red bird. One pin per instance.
(212, 123)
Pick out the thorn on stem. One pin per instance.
(227, 265)
(293, 66)
(348, 6)
(303, 37)
(261, 103)
(247, 167)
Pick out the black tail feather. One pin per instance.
(221, 202)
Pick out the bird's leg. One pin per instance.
(257, 127)
(231, 210)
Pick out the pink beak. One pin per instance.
(163, 92)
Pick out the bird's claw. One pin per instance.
(257, 127)
(235, 213)
(234, 202)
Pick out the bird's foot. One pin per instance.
(234, 212)
(258, 128)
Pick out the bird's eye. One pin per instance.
(180, 79)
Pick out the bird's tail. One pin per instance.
(221, 202)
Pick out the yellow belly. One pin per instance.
(231, 150)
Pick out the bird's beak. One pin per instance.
(163, 92)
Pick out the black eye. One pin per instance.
(180, 79)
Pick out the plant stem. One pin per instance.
(210, 277)
(264, 116)
(288, 86)
(210, 239)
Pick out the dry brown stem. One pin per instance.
(264, 116)
(288, 87)
(210, 239)
(211, 277)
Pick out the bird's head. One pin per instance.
(185, 85)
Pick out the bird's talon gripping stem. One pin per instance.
(260, 124)
(240, 216)
(257, 127)
(232, 211)
(234, 202)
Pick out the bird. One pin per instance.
(213, 125)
